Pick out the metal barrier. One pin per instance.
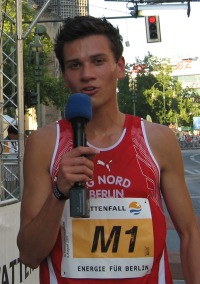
(195, 144)
(9, 190)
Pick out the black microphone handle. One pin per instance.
(79, 194)
(78, 126)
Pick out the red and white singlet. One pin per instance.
(124, 240)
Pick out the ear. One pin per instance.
(121, 68)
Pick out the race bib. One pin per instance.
(115, 242)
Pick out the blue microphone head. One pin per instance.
(78, 105)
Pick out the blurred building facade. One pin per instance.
(65, 8)
(187, 71)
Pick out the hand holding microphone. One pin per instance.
(79, 111)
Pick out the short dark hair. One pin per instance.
(82, 26)
(12, 130)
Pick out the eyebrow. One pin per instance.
(92, 56)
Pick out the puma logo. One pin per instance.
(99, 162)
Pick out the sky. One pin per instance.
(180, 33)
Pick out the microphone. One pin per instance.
(79, 111)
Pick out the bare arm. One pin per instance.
(41, 212)
(177, 199)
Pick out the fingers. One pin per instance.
(76, 166)
(76, 169)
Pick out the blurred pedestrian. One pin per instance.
(11, 140)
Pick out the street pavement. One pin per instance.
(173, 242)
(173, 245)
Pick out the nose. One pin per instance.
(88, 72)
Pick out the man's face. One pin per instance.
(90, 68)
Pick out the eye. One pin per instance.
(99, 61)
(73, 65)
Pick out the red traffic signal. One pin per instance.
(153, 28)
(152, 19)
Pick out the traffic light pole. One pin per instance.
(37, 48)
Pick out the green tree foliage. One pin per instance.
(158, 93)
(125, 96)
(53, 92)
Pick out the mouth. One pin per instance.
(89, 90)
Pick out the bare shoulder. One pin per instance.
(42, 135)
(162, 141)
(40, 144)
(160, 131)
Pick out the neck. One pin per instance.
(104, 130)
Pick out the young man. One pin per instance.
(11, 146)
(127, 165)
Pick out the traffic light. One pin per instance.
(31, 99)
(38, 73)
(40, 30)
(153, 28)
